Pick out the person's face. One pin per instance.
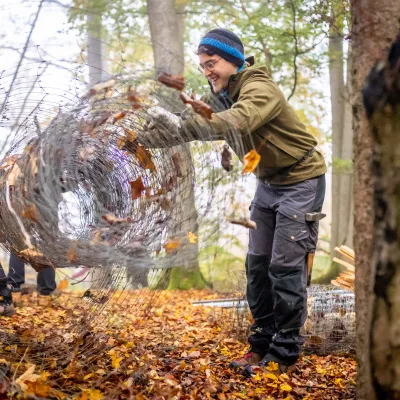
(217, 70)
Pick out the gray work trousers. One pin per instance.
(276, 265)
(46, 277)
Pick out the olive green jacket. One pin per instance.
(260, 118)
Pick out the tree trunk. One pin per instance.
(166, 27)
(342, 149)
(382, 101)
(94, 47)
(374, 25)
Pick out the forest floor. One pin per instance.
(146, 345)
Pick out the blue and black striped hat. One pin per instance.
(226, 44)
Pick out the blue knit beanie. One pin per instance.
(225, 44)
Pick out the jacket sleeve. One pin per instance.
(260, 101)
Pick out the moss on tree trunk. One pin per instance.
(184, 279)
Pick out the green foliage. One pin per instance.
(341, 166)
(181, 279)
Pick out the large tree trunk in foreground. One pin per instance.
(374, 25)
(166, 27)
(382, 101)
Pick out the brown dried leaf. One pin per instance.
(176, 159)
(71, 253)
(130, 135)
(251, 161)
(118, 116)
(31, 253)
(247, 223)
(144, 158)
(199, 106)
(173, 81)
(111, 219)
(9, 161)
(202, 108)
(134, 99)
(27, 376)
(137, 188)
(30, 212)
(226, 158)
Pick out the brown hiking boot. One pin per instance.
(17, 299)
(249, 358)
(44, 301)
(6, 310)
(6, 305)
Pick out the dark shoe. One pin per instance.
(248, 359)
(6, 305)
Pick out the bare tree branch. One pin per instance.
(22, 57)
(296, 50)
(259, 37)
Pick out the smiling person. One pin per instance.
(288, 199)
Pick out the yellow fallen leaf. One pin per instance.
(272, 366)
(91, 394)
(257, 377)
(27, 376)
(285, 387)
(3, 361)
(32, 252)
(191, 237)
(251, 161)
(270, 376)
(115, 360)
(63, 284)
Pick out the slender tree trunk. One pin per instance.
(342, 148)
(374, 25)
(94, 47)
(382, 100)
(167, 28)
(336, 78)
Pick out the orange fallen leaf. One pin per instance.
(144, 158)
(118, 116)
(30, 212)
(130, 135)
(251, 161)
(91, 394)
(171, 245)
(63, 284)
(137, 188)
(27, 376)
(71, 253)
